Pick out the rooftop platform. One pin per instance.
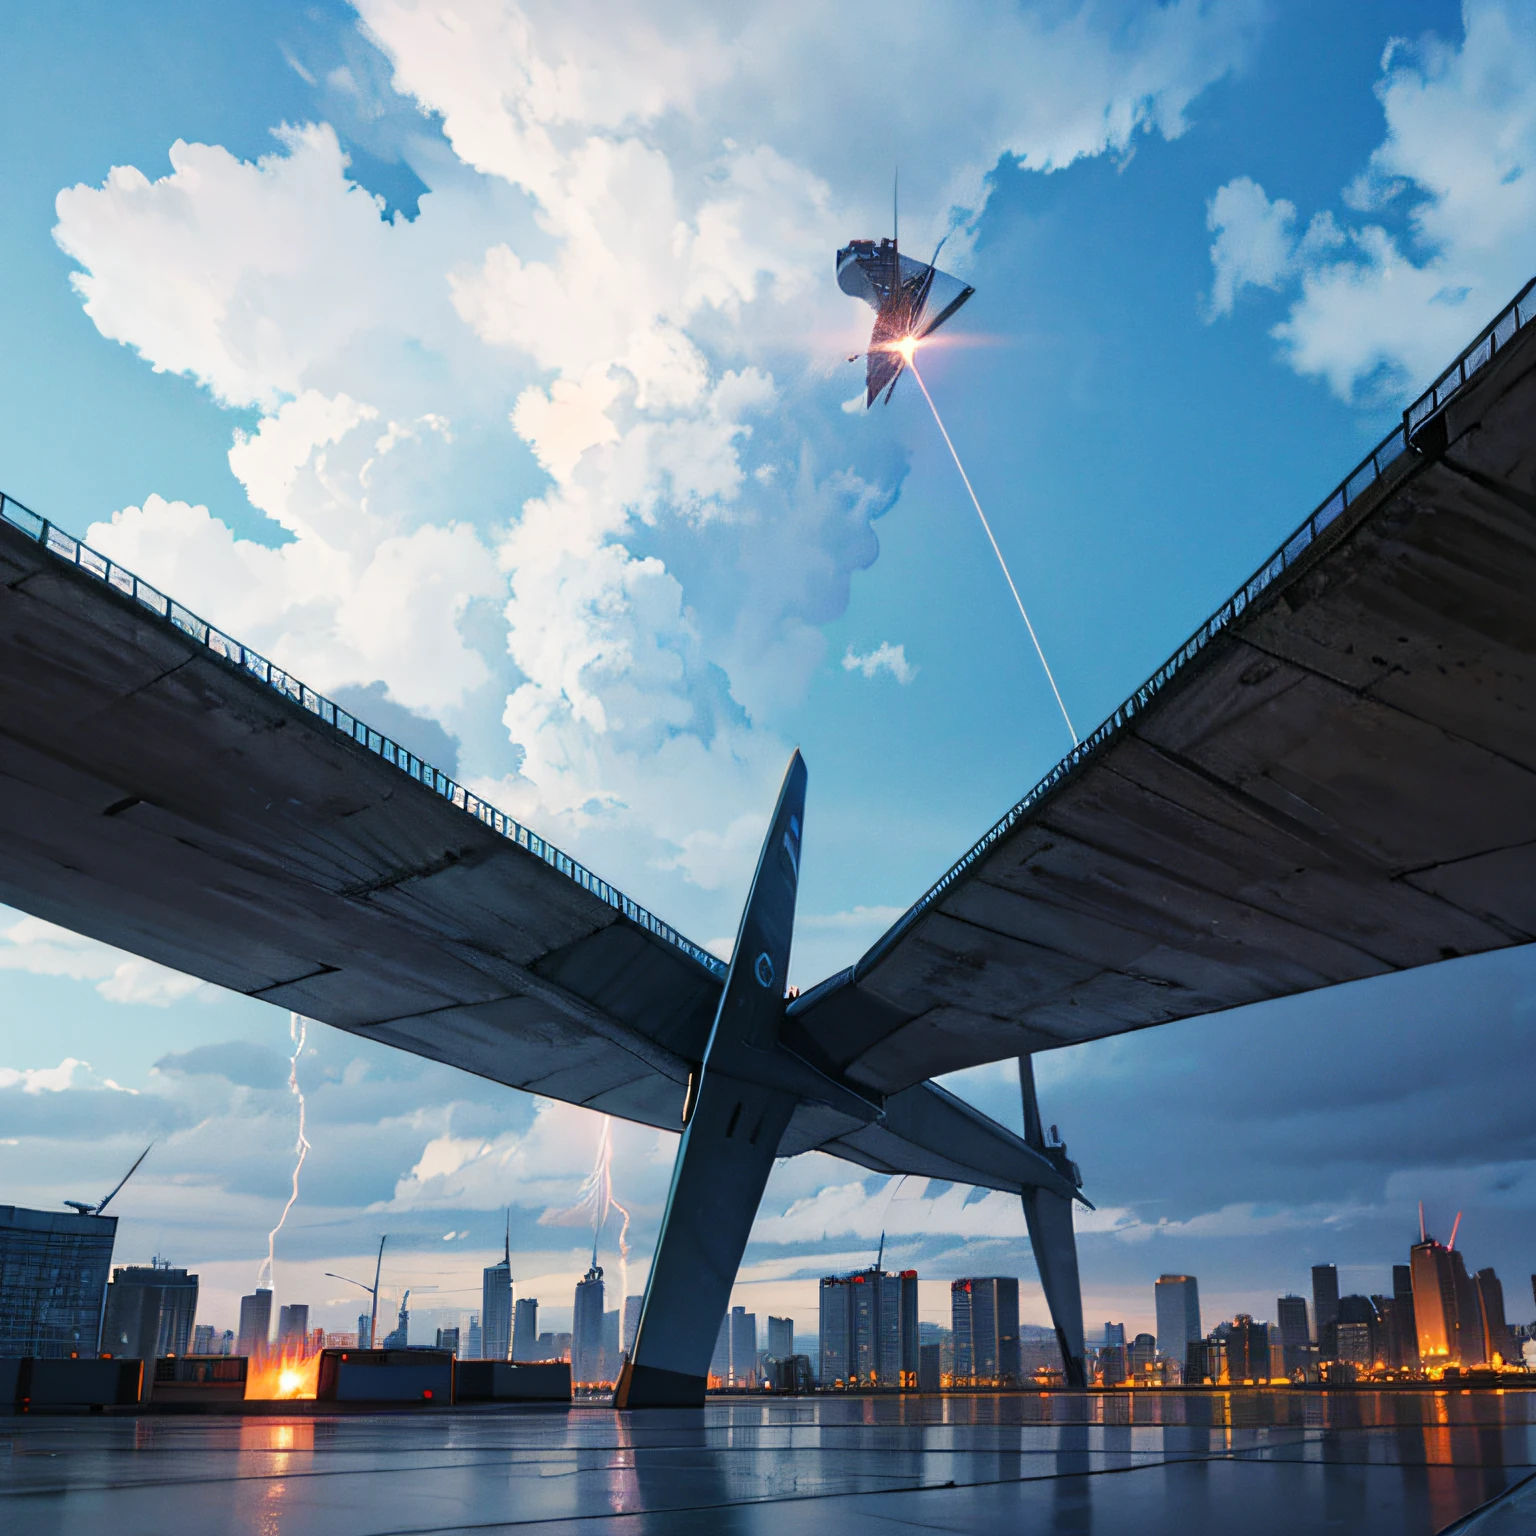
(1263, 1463)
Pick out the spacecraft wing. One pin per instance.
(909, 297)
(1298, 798)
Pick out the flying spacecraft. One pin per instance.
(911, 300)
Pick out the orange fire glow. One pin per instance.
(289, 1374)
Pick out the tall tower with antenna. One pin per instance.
(496, 1303)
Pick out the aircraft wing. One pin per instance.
(1334, 778)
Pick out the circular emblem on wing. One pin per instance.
(763, 970)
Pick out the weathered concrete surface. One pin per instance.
(1342, 785)
(154, 796)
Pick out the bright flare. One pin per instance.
(907, 346)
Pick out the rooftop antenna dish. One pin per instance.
(85, 1208)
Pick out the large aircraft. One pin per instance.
(1332, 779)
(911, 300)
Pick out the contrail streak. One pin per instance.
(912, 364)
(298, 1027)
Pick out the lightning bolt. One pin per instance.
(298, 1027)
(594, 1202)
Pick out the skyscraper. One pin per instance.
(1325, 1308)
(1178, 1314)
(1469, 1312)
(1247, 1350)
(984, 1312)
(496, 1304)
(743, 1345)
(869, 1327)
(53, 1278)
(1403, 1345)
(1434, 1302)
(204, 1340)
(910, 1353)
(833, 1366)
(399, 1337)
(1490, 1296)
(1357, 1330)
(587, 1325)
(781, 1337)
(1142, 1353)
(474, 1339)
(292, 1326)
(720, 1361)
(1295, 1336)
(255, 1323)
(611, 1361)
(525, 1330)
(150, 1312)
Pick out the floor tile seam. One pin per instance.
(795, 1498)
(492, 1457)
(253, 1477)
(525, 1453)
(1402, 1466)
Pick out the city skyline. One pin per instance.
(1438, 1316)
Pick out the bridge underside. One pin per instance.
(1338, 783)
(1342, 784)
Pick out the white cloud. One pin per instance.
(1254, 244)
(857, 919)
(539, 1166)
(628, 290)
(1380, 309)
(70, 1073)
(884, 658)
(45, 949)
(42, 1079)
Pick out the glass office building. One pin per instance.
(53, 1281)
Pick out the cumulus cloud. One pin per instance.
(1382, 305)
(535, 1167)
(242, 1062)
(1256, 245)
(45, 949)
(884, 658)
(42, 1079)
(561, 449)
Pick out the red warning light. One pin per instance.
(427, 1392)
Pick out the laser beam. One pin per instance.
(911, 361)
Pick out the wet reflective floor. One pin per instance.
(1092, 1465)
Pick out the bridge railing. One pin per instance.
(1500, 331)
(66, 547)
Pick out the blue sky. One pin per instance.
(490, 374)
